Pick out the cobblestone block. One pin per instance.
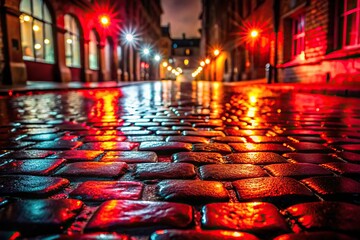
(309, 147)
(201, 235)
(90, 236)
(300, 132)
(229, 139)
(281, 191)
(334, 188)
(150, 138)
(110, 146)
(192, 191)
(57, 145)
(212, 147)
(42, 137)
(179, 124)
(107, 190)
(183, 128)
(164, 171)
(315, 236)
(103, 139)
(245, 133)
(325, 216)
(255, 217)
(39, 216)
(266, 139)
(257, 158)
(197, 158)
(296, 170)
(14, 145)
(316, 158)
(27, 154)
(204, 133)
(126, 215)
(31, 167)
(344, 169)
(350, 147)
(165, 147)
(77, 155)
(308, 139)
(136, 133)
(230, 172)
(130, 157)
(31, 186)
(259, 147)
(93, 170)
(350, 156)
(187, 139)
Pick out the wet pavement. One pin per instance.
(179, 160)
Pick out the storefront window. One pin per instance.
(298, 36)
(93, 51)
(36, 31)
(351, 23)
(72, 42)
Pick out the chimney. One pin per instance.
(184, 36)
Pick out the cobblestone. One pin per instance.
(191, 160)
(128, 215)
(107, 190)
(258, 218)
(192, 191)
(93, 169)
(165, 171)
(39, 216)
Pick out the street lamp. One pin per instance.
(129, 37)
(146, 51)
(104, 20)
(157, 58)
(254, 33)
(216, 52)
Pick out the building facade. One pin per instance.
(74, 40)
(186, 55)
(307, 40)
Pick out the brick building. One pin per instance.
(313, 41)
(67, 41)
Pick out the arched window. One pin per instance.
(93, 51)
(36, 31)
(72, 42)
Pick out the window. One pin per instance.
(298, 36)
(351, 29)
(93, 51)
(72, 42)
(36, 31)
(187, 52)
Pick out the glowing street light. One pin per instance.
(207, 61)
(254, 33)
(129, 37)
(165, 64)
(216, 52)
(146, 51)
(157, 58)
(202, 63)
(104, 20)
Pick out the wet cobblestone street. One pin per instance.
(179, 160)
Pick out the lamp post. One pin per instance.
(254, 34)
(216, 54)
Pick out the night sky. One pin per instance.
(183, 16)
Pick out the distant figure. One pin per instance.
(27, 51)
